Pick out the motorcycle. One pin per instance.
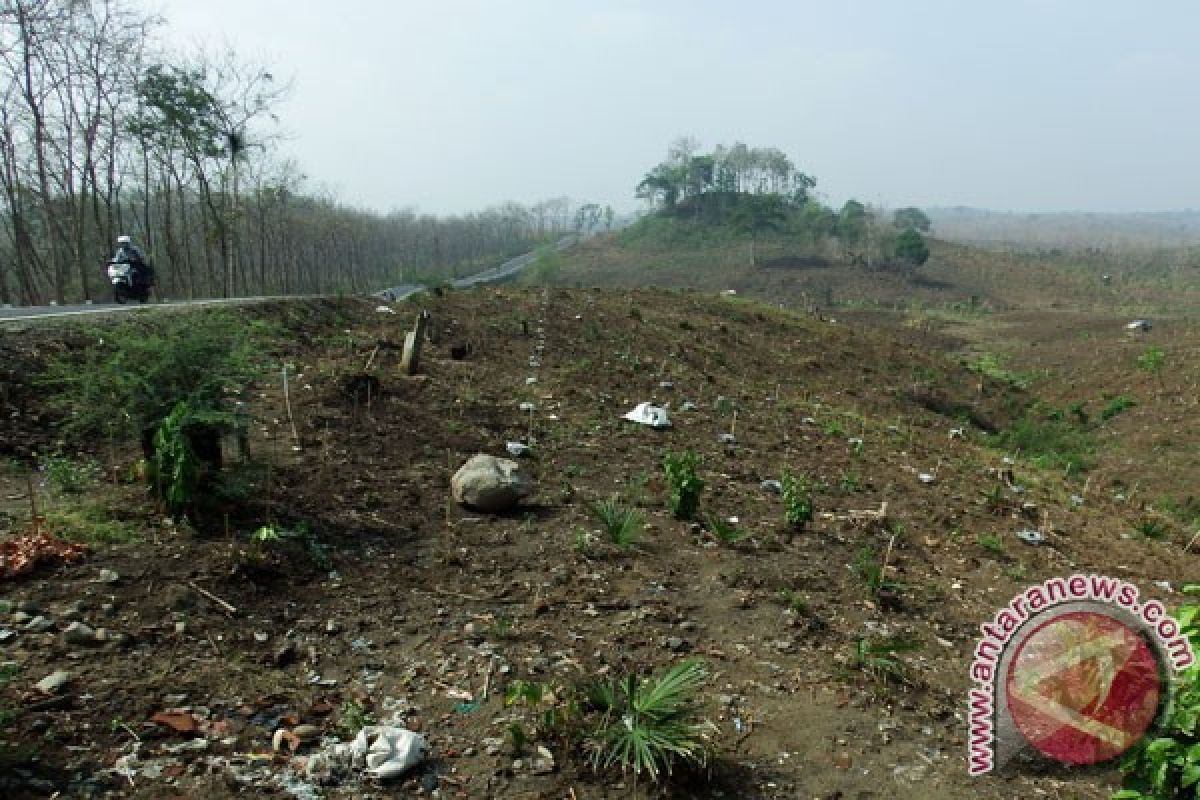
(130, 282)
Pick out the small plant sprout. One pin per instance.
(880, 659)
(991, 542)
(622, 524)
(724, 530)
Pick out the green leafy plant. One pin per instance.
(726, 532)
(797, 500)
(175, 469)
(1167, 766)
(353, 716)
(1152, 359)
(991, 542)
(1117, 405)
(789, 598)
(850, 482)
(621, 523)
(1049, 440)
(684, 484)
(871, 571)
(880, 659)
(1151, 529)
(649, 725)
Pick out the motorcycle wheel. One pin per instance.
(120, 294)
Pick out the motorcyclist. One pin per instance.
(131, 254)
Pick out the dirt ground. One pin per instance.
(404, 605)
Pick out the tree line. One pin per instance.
(757, 190)
(104, 131)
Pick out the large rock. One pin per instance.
(487, 483)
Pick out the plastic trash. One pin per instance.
(649, 414)
(1031, 536)
(387, 751)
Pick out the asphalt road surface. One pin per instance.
(505, 270)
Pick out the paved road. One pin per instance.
(505, 270)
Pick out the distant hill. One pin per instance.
(1071, 229)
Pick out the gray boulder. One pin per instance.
(487, 483)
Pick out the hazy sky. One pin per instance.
(453, 105)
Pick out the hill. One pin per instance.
(837, 651)
(677, 253)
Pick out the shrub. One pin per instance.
(134, 375)
(649, 725)
(685, 485)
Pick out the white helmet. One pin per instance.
(124, 240)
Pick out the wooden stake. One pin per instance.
(227, 606)
(287, 401)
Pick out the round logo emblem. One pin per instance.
(1084, 687)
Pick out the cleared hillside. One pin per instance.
(395, 600)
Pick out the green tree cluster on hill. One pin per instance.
(756, 190)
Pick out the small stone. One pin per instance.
(772, 486)
(726, 438)
(333, 626)
(7, 634)
(53, 682)
(108, 609)
(21, 617)
(285, 654)
(307, 733)
(261, 636)
(677, 644)
(40, 624)
(109, 576)
(726, 700)
(78, 633)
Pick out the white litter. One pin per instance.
(648, 414)
(384, 310)
(516, 449)
(387, 751)
(1031, 536)
(925, 477)
(726, 438)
